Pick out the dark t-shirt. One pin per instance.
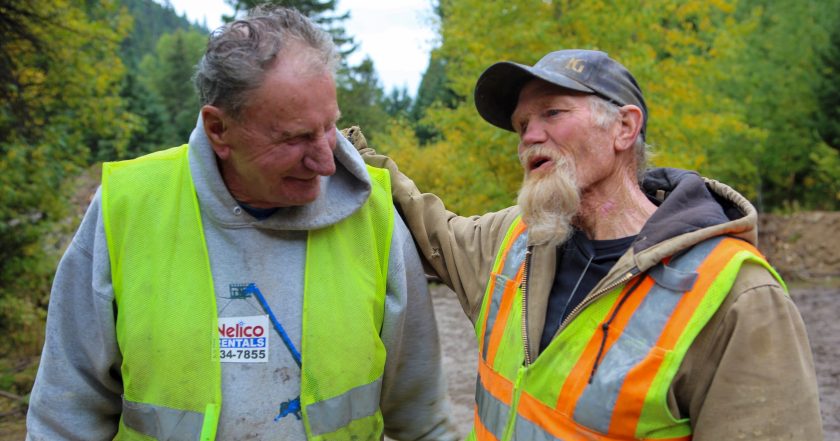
(581, 263)
(258, 213)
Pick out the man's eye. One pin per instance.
(553, 112)
(292, 140)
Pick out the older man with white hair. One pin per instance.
(253, 284)
(612, 302)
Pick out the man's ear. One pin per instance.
(216, 128)
(631, 124)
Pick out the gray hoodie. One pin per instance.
(77, 392)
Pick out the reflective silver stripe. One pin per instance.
(515, 256)
(511, 265)
(337, 412)
(528, 431)
(491, 412)
(596, 405)
(493, 311)
(162, 423)
(673, 279)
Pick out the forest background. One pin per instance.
(744, 91)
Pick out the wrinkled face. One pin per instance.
(275, 153)
(561, 120)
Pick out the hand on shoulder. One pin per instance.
(357, 138)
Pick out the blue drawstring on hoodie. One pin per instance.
(290, 407)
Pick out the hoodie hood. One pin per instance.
(691, 210)
(341, 194)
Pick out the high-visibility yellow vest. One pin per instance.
(606, 375)
(167, 323)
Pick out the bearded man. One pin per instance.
(613, 302)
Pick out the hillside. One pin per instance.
(803, 246)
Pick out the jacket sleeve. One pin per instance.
(77, 390)
(751, 373)
(459, 250)
(414, 399)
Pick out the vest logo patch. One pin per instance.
(243, 339)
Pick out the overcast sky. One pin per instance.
(397, 35)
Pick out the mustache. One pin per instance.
(549, 201)
(538, 150)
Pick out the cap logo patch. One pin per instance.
(575, 64)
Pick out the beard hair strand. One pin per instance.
(549, 200)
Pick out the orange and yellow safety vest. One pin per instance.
(607, 374)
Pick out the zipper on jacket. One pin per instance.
(605, 327)
(528, 253)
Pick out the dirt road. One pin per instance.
(819, 307)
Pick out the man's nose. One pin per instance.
(534, 134)
(319, 157)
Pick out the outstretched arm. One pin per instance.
(459, 250)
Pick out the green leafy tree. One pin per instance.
(667, 54)
(729, 84)
(774, 78)
(60, 107)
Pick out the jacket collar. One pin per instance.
(691, 210)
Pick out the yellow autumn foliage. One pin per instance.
(673, 48)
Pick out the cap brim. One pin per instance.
(497, 90)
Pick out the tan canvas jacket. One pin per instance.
(749, 374)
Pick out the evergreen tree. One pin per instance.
(167, 74)
(828, 92)
(321, 12)
(150, 21)
(398, 103)
(154, 131)
(59, 107)
(361, 99)
(434, 90)
(360, 95)
(774, 78)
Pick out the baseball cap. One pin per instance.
(497, 89)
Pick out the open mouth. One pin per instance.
(538, 162)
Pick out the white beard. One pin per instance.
(549, 199)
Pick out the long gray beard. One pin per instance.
(549, 202)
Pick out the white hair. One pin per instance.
(603, 114)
